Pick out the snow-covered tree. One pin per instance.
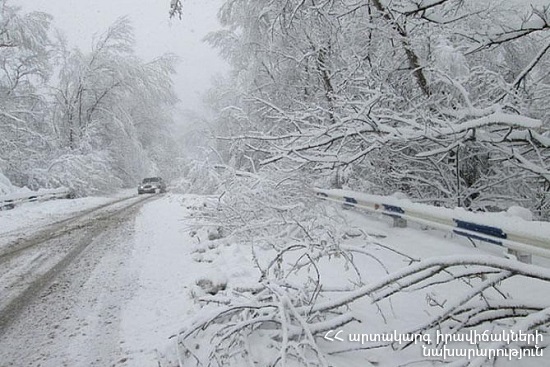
(441, 99)
(112, 107)
(105, 123)
(25, 50)
(408, 93)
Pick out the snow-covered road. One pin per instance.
(113, 302)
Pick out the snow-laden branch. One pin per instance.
(537, 21)
(412, 271)
(531, 65)
(501, 119)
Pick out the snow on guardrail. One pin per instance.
(10, 201)
(500, 229)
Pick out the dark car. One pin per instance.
(152, 185)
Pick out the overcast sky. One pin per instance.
(155, 34)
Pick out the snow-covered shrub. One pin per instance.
(280, 223)
(207, 235)
(199, 178)
(83, 174)
(212, 283)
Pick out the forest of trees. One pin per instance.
(444, 100)
(89, 120)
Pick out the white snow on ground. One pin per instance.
(404, 311)
(30, 216)
(175, 266)
(172, 265)
(161, 268)
(24, 192)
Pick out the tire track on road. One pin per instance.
(52, 230)
(83, 234)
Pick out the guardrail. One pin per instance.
(523, 238)
(10, 201)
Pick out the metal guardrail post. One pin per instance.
(11, 201)
(521, 243)
(521, 256)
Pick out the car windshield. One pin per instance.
(151, 179)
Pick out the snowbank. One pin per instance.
(33, 215)
(22, 193)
